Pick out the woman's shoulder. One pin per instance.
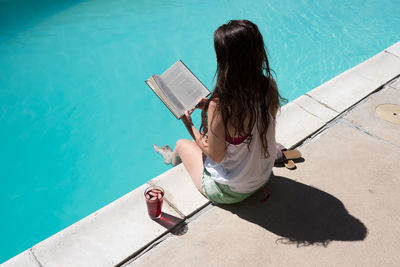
(213, 104)
(214, 101)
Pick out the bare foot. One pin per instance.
(167, 148)
(165, 152)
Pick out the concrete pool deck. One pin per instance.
(339, 207)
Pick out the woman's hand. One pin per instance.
(201, 103)
(187, 118)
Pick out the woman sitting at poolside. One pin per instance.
(233, 155)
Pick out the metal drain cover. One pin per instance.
(389, 112)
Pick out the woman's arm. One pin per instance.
(214, 146)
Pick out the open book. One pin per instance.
(178, 88)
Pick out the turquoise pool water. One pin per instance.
(77, 121)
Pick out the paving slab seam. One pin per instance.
(391, 53)
(149, 246)
(170, 233)
(312, 113)
(380, 139)
(163, 236)
(341, 116)
(359, 102)
(334, 121)
(314, 135)
(302, 141)
(327, 126)
(34, 256)
(323, 128)
(391, 80)
(390, 83)
(205, 208)
(169, 202)
(140, 252)
(393, 87)
(322, 103)
(368, 77)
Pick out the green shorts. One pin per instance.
(221, 193)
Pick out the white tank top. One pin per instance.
(245, 170)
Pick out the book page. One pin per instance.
(157, 90)
(187, 88)
(175, 104)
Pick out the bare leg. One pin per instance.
(192, 157)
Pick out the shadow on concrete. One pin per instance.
(300, 214)
(176, 225)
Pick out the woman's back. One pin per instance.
(247, 123)
(244, 167)
(246, 100)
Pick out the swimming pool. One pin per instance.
(77, 121)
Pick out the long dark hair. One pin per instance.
(244, 87)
